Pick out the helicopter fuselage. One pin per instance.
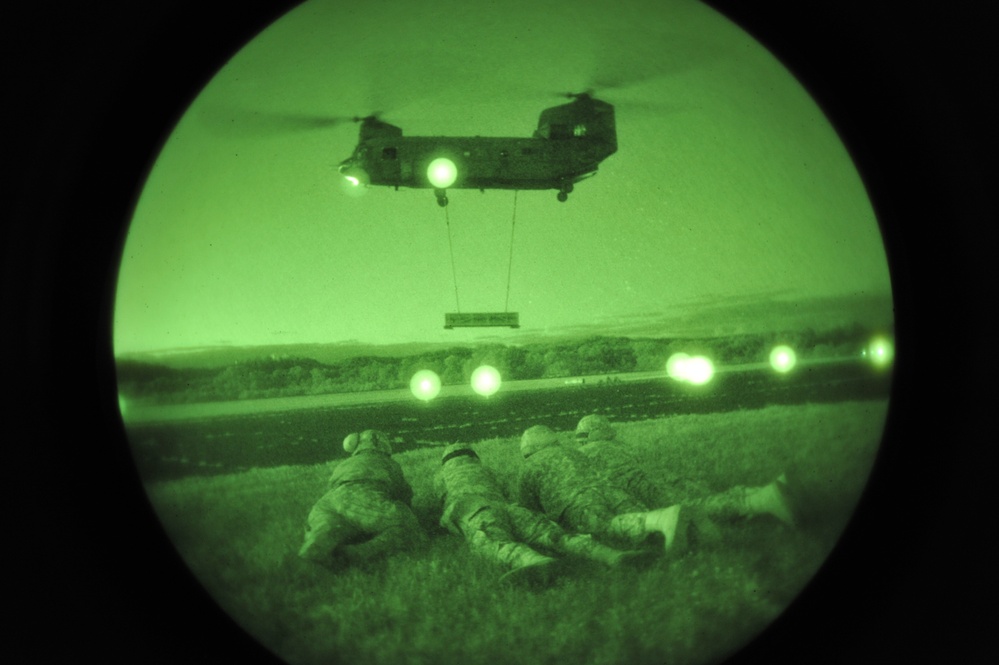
(570, 142)
(480, 162)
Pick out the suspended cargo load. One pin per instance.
(481, 320)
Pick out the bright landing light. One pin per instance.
(425, 385)
(485, 380)
(442, 173)
(355, 182)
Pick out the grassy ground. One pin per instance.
(239, 534)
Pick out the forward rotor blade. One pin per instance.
(247, 123)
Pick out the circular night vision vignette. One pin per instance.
(692, 369)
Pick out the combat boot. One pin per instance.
(585, 547)
(770, 499)
(528, 567)
(752, 501)
(629, 528)
(672, 523)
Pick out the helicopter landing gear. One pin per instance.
(563, 192)
(441, 197)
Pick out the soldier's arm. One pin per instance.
(527, 490)
(401, 489)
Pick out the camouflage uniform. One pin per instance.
(622, 467)
(474, 506)
(566, 485)
(366, 512)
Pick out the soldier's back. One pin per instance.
(555, 475)
(471, 479)
(373, 468)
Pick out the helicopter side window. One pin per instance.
(388, 153)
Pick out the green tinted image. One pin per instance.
(504, 332)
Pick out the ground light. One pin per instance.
(698, 370)
(442, 173)
(675, 365)
(692, 369)
(783, 358)
(880, 352)
(486, 380)
(425, 385)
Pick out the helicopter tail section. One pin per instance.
(584, 117)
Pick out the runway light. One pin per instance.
(880, 352)
(692, 369)
(425, 385)
(698, 370)
(486, 380)
(782, 358)
(675, 365)
(442, 173)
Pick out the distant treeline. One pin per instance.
(277, 376)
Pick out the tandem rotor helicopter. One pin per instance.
(569, 143)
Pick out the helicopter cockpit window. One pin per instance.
(388, 153)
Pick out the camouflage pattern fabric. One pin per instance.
(374, 468)
(473, 501)
(566, 485)
(622, 468)
(366, 512)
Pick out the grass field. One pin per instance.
(239, 534)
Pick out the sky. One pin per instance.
(729, 184)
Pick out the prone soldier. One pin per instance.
(566, 485)
(598, 440)
(475, 507)
(366, 513)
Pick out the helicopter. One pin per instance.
(570, 141)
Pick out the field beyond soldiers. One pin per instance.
(239, 533)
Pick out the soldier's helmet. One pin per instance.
(368, 439)
(456, 450)
(594, 428)
(537, 438)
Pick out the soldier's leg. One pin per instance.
(670, 524)
(325, 531)
(742, 501)
(490, 534)
(536, 529)
(526, 566)
(402, 532)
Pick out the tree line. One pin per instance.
(290, 377)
